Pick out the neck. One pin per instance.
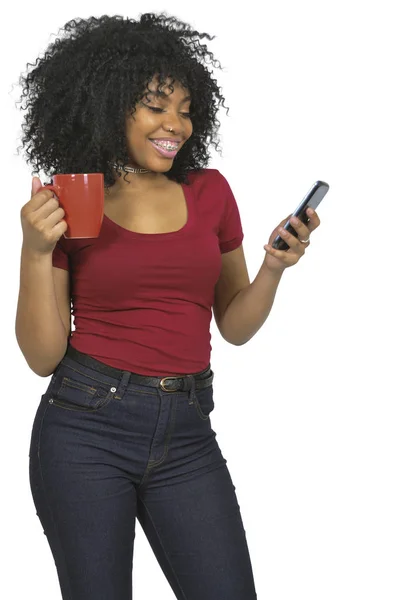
(133, 183)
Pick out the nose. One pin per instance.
(171, 128)
(174, 123)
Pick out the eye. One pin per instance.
(155, 109)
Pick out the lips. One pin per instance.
(162, 151)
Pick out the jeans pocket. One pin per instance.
(203, 402)
(78, 391)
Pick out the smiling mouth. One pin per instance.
(168, 146)
(161, 150)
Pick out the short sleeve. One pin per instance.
(60, 256)
(230, 233)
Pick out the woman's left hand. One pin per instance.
(278, 260)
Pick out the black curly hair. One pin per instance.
(81, 91)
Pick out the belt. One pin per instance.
(168, 384)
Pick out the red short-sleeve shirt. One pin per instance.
(142, 302)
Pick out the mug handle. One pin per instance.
(53, 187)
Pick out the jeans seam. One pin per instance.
(49, 505)
(184, 597)
(161, 460)
(198, 408)
(168, 438)
(85, 374)
(68, 382)
(66, 406)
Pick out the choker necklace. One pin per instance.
(129, 169)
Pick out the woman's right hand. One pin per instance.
(42, 222)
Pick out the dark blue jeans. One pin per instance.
(105, 451)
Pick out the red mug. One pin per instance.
(81, 195)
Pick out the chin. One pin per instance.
(160, 169)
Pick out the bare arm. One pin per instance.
(40, 330)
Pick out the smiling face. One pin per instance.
(150, 143)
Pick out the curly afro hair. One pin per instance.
(81, 91)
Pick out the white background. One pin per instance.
(306, 412)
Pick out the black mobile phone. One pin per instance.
(311, 200)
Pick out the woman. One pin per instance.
(123, 430)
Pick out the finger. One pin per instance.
(314, 220)
(291, 240)
(39, 199)
(281, 255)
(36, 185)
(302, 230)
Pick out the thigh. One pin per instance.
(196, 532)
(86, 505)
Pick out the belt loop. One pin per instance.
(191, 389)
(122, 385)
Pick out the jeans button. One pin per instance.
(113, 389)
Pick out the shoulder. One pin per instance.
(211, 178)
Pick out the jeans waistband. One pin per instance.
(173, 383)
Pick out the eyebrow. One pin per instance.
(166, 96)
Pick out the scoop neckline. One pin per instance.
(157, 236)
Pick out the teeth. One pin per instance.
(167, 145)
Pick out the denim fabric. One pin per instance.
(104, 451)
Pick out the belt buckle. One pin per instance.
(162, 385)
